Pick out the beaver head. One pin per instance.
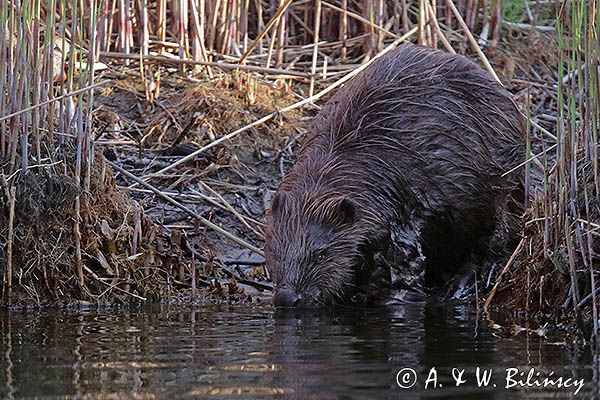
(312, 248)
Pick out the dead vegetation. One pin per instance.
(119, 251)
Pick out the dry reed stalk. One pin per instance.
(77, 212)
(220, 65)
(103, 30)
(472, 40)
(315, 54)
(274, 20)
(439, 33)
(231, 209)
(161, 22)
(224, 26)
(59, 98)
(261, 23)
(245, 8)
(144, 23)
(36, 78)
(371, 28)
(182, 33)
(111, 22)
(531, 158)
(422, 20)
(14, 50)
(281, 32)
(79, 149)
(449, 22)
(405, 20)
(507, 266)
(495, 20)
(213, 18)
(9, 243)
(124, 27)
(432, 9)
(428, 16)
(380, 21)
(344, 30)
(199, 49)
(92, 58)
(473, 10)
(272, 44)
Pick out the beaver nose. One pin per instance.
(286, 298)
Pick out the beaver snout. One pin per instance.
(291, 298)
(286, 298)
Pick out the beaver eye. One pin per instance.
(320, 256)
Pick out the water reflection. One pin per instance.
(221, 352)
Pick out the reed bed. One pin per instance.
(45, 130)
(571, 219)
(68, 231)
(553, 270)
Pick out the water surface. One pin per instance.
(248, 352)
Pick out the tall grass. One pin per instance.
(558, 258)
(298, 34)
(572, 212)
(44, 116)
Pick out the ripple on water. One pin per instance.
(239, 352)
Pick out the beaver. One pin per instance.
(398, 184)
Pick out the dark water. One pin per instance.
(238, 352)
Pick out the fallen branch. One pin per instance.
(239, 279)
(542, 28)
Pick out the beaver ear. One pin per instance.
(345, 211)
(278, 203)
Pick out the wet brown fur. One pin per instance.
(417, 143)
